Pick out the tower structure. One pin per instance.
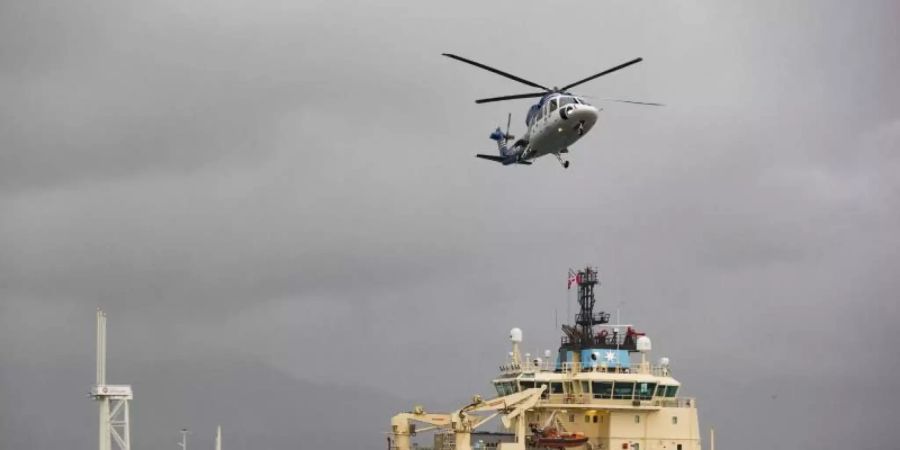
(113, 399)
(581, 335)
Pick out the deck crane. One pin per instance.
(463, 421)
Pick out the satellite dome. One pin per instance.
(547, 354)
(515, 335)
(664, 361)
(643, 344)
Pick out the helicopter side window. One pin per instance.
(553, 105)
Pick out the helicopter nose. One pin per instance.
(580, 113)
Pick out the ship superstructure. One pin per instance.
(599, 392)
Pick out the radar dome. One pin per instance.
(515, 335)
(547, 354)
(664, 361)
(643, 344)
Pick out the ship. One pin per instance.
(598, 392)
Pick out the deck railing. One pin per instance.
(573, 367)
(585, 399)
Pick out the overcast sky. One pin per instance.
(278, 206)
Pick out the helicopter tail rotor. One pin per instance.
(498, 134)
(508, 136)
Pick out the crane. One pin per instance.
(463, 421)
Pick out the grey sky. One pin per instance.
(278, 205)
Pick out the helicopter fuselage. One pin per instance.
(554, 124)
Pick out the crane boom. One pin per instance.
(463, 421)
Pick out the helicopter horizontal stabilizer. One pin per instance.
(502, 160)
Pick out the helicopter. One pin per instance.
(555, 122)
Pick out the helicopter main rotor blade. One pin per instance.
(605, 72)
(498, 72)
(511, 97)
(633, 102)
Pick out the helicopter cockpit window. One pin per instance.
(553, 105)
(563, 101)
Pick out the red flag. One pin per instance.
(573, 278)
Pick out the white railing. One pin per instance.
(575, 367)
(676, 402)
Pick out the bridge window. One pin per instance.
(671, 391)
(505, 388)
(645, 390)
(526, 384)
(601, 389)
(585, 387)
(623, 390)
(556, 388)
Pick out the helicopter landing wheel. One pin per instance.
(566, 165)
(562, 162)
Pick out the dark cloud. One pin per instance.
(290, 187)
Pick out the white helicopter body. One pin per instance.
(556, 122)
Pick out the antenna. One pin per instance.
(114, 422)
(219, 437)
(183, 443)
(555, 318)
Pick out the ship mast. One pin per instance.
(581, 335)
(585, 318)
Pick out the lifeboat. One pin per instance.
(551, 438)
